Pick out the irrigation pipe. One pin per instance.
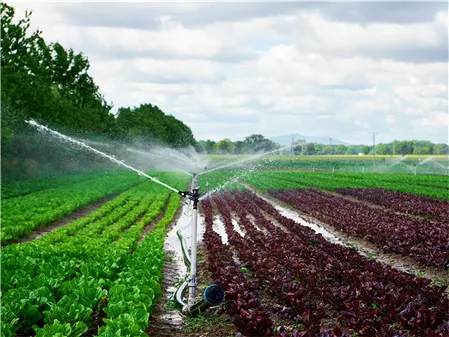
(214, 294)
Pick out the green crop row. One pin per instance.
(19, 188)
(426, 185)
(22, 215)
(347, 163)
(57, 284)
(138, 288)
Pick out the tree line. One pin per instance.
(51, 84)
(254, 143)
(405, 147)
(258, 143)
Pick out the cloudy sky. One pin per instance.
(341, 70)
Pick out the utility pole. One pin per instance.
(419, 151)
(374, 152)
(330, 148)
(292, 144)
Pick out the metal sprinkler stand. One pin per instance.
(194, 195)
(214, 294)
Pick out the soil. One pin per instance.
(80, 213)
(169, 321)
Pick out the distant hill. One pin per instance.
(286, 140)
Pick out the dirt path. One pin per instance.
(399, 262)
(80, 213)
(168, 320)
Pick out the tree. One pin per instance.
(238, 147)
(148, 123)
(381, 149)
(258, 143)
(299, 146)
(224, 146)
(210, 146)
(441, 148)
(422, 147)
(404, 147)
(310, 149)
(341, 149)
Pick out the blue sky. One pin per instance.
(228, 70)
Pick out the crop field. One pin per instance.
(100, 273)
(315, 285)
(435, 164)
(97, 266)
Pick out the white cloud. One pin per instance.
(232, 70)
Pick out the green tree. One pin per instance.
(341, 149)
(224, 146)
(404, 147)
(149, 124)
(310, 149)
(258, 143)
(238, 147)
(299, 147)
(441, 149)
(381, 149)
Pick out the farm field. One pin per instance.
(429, 164)
(435, 186)
(24, 213)
(102, 273)
(316, 286)
(224, 170)
(59, 284)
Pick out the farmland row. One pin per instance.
(60, 283)
(19, 188)
(316, 281)
(243, 303)
(424, 185)
(420, 239)
(435, 209)
(21, 215)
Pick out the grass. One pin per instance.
(200, 322)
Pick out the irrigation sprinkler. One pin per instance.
(193, 195)
(214, 294)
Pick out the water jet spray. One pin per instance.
(214, 294)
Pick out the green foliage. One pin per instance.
(148, 123)
(49, 83)
(434, 186)
(46, 82)
(23, 214)
(58, 282)
(252, 144)
(57, 329)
